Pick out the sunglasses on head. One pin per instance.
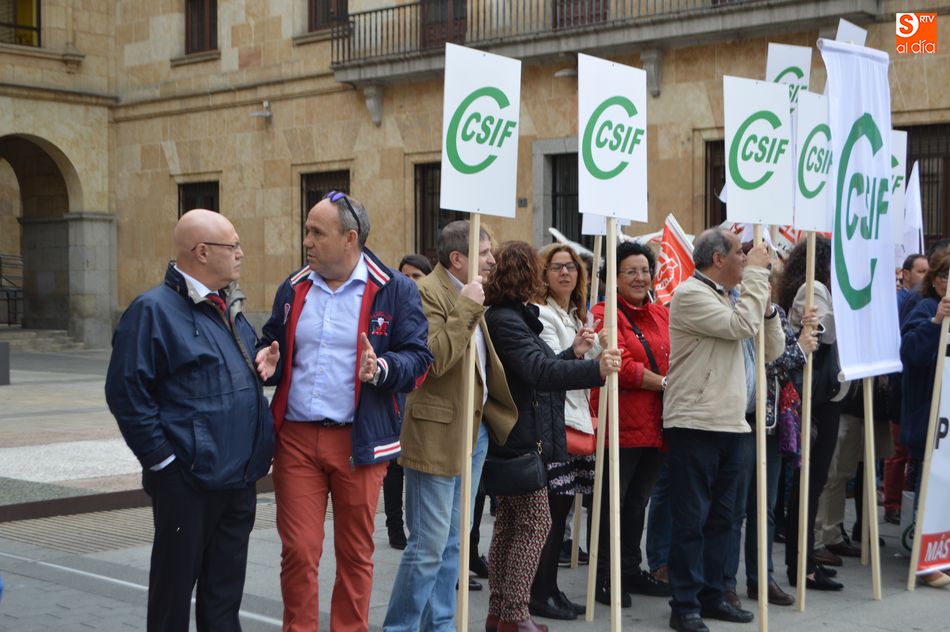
(335, 196)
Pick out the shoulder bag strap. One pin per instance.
(643, 341)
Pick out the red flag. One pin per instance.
(676, 261)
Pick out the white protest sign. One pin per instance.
(865, 303)
(935, 534)
(790, 66)
(851, 33)
(813, 142)
(758, 152)
(612, 136)
(480, 118)
(898, 185)
(597, 224)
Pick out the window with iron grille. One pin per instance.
(313, 187)
(323, 14)
(564, 210)
(929, 146)
(198, 195)
(430, 218)
(20, 22)
(201, 26)
(715, 181)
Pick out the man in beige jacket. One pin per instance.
(704, 410)
(423, 596)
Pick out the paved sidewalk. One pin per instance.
(79, 573)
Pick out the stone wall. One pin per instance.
(9, 210)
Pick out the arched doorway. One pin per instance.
(68, 253)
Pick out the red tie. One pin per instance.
(219, 303)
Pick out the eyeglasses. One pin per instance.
(943, 275)
(557, 267)
(232, 247)
(631, 273)
(335, 196)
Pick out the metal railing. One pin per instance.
(419, 27)
(11, 289)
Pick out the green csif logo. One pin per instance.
(618, 137)
(479, 127)
(792, 77)
(874, 192)
(815, 161)
(761, 148)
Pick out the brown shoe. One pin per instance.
(826, 557)
(844, 549)
(777, 596)
(662, 575)
(730, 597)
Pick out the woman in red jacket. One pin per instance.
(643, 333)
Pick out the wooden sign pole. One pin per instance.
(593, 551)
(803, 481)
(613, 414)
(870, 489)
(928, 451)
(468, 414)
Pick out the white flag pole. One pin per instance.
(804, 472)
(870, 488)
(468, 415)
(761, 504)
(613, 414)
(928, 452)
(578, 497)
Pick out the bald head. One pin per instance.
(207, 247)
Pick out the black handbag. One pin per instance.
(824, 379)
(517, 475)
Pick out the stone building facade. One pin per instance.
(116, 114)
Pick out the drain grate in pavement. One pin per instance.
(104, 530)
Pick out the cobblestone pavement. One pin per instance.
(90, 572)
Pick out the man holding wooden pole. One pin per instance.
(704, 410)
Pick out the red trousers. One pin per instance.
(312, 464)
(894, 470)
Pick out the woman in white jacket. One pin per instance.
(563, 311)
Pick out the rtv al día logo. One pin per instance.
(916, 33)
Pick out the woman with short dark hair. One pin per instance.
(537, 379)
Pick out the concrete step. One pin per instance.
(42, 340)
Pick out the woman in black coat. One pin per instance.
(537, 379)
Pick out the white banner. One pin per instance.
(814, 166)
(935, 535)
(790, 66)
(480, 116)
(612, 137)
(758, 152)
(898, 188)
(912, 237)
(865, 303)
(850, 33)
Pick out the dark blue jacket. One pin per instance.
(181, 382)
(399, 334)
(920, 340)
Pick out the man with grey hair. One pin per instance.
(703, 413)
(423, 596)
(352, 340)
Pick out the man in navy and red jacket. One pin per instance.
(352, 339)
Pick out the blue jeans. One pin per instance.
(660, 521)
(429, 568)
(704, 468)
(773, 465)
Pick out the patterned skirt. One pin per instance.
(569, 477)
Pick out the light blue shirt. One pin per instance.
(326, 350)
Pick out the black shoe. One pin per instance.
(779, 536)
(474, 585)
(823, 582)
(892, 516)
(582, 557)
(690, 622)
(844, 549)
(602, 595)
(829, 572)
(564, 559)
(644, 583)
(479, 565)
(551, 608)
(725, 611)
(570, 605)
(397, 538)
